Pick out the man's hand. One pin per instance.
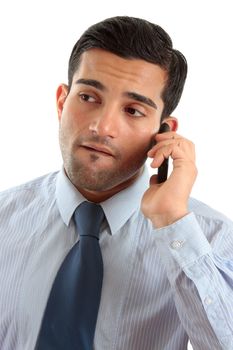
(166, 203)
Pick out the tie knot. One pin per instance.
(88, 218)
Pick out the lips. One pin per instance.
(98, 148)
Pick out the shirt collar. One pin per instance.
(118, 209)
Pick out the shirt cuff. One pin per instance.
(182, 242)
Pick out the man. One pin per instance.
(167, 259)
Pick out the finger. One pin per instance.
(167, 135)
(164, 143)
(163, 136)
(173, 150)
(153, 180)
(179, 150)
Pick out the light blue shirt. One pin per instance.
(160, 288)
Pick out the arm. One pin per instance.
(201, 275)
(196, 251)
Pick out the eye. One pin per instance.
(87, 98)
(134, 112)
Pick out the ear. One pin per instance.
(62, 92)
(172, 122)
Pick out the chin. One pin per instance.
(102, 178)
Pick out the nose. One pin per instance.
(106, 123)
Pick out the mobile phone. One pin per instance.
(163, 169)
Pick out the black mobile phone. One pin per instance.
(163, 169)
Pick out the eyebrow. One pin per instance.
(133, 95)
(91, 82)
(141, 98)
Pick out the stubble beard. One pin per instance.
(100, 179)
(90, 176)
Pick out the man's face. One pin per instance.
(108, 119)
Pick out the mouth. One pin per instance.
(98, 149)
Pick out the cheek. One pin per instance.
(66, 128)
(71, 121)
(138, 144)
(145, 135)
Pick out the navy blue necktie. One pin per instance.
(71, 313)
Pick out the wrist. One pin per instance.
(166, 219)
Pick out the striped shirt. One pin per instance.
(161, 287)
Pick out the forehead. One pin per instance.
(99, 63)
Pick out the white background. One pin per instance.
(36, 39)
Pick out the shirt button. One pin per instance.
(208, 301)
(176, 244)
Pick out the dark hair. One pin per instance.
(135, 38)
